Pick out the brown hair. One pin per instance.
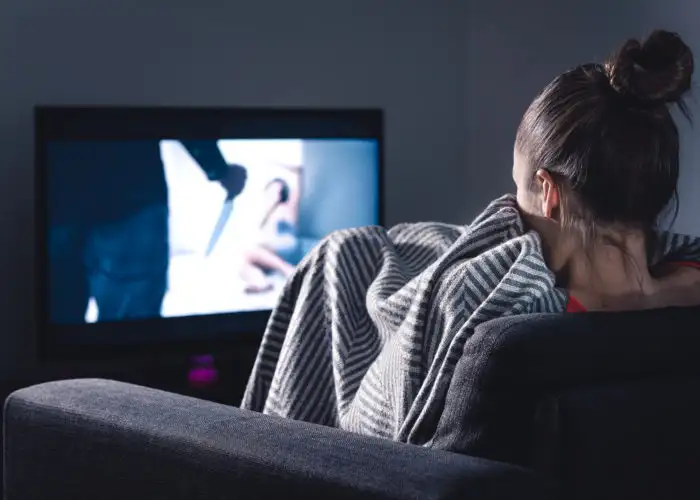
(606, 135)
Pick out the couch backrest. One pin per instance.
(575, 394)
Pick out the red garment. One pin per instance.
(574, 306)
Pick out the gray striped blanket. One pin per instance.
(368, 330)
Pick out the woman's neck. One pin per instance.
(608, 274)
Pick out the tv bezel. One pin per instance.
(51, 348)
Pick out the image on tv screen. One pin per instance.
(143, 229)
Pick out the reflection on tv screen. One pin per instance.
(167, 228)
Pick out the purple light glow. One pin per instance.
(202, 376)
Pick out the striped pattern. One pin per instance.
(367, 332)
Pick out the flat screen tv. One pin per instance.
(176, 228)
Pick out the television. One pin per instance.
(163, 228)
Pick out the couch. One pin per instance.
(578, 406)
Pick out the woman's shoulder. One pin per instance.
(678, 284)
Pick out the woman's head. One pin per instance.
(598, 149)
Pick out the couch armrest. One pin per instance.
(89, 439)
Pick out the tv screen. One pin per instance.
(178, 227)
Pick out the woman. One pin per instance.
(596, 163)
(368, 330)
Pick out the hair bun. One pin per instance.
(657, 70)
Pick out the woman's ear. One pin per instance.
(550, 194)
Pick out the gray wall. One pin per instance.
(454, 77)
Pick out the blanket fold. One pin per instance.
(367, 332)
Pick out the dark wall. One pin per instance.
(406, 56)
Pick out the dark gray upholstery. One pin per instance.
(95, 439)
(607, 403)
(630, 440)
